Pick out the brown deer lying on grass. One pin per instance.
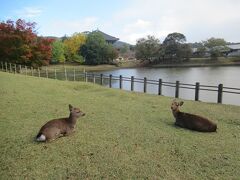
(59, 127)
(191, 121)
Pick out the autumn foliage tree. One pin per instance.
(20, 44)
(72, 46)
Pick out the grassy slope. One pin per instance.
(123, 134)
(103, 67)
(60, 67)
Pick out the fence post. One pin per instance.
(46, 72)
(94, 80)
(145, 85)
(197, 91)
(65, 73)
(20, 69)
(110, 81)
(2, 65)
(101, 79)
(10, 67)
(120, 81)
(220, 93)
(85, 76)
(177, 89)
(74, 74)
(39, 73)
(6, 66)
(55, 73)
(32, 70)
(132, 83)
(26, 70)
(160, 87)
(15, 68)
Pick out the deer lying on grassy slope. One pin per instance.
(59, 127)
(191, 121)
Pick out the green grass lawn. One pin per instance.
(60, 67)
(124, 135)
(102, 67)
(220, 60)
(198, 62)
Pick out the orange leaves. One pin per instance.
(19, 43)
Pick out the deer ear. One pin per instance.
(70, 107)
(181, 103)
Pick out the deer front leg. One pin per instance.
(69, 132)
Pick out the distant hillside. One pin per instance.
(53, 37)
(120, 44)
(117, 44)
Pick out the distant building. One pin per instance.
(108, 38)
(234, 49)
(230, 50)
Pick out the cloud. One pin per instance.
(139, 24)
(29, 12)
(197, 19)
(62, 27)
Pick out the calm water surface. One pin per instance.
(228, 76)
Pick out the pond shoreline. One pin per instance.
(96, 68)
(184, 65)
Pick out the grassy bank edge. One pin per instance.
(193, 62)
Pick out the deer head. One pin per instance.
(175, 105)
(75, 112)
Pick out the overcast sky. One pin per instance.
(130, 19)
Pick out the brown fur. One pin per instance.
(60, 127)
(191, 121)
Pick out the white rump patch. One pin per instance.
(41, 138)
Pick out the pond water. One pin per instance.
(213, 76)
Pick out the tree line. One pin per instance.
(175, 49)
(20, 44)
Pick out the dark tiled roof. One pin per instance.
(107, 37)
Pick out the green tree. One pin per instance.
(174, 38)
(124, 49)
(148, 49)
(184, 52)
(58, 52)
(201, 49)
(97, 51)
(216, 46)
(176, 48)
(72, 46)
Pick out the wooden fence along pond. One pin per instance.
(76, 75)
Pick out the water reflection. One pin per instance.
(228, 76)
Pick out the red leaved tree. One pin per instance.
(20, 44)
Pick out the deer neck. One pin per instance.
(72, 119)
(175, 113)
